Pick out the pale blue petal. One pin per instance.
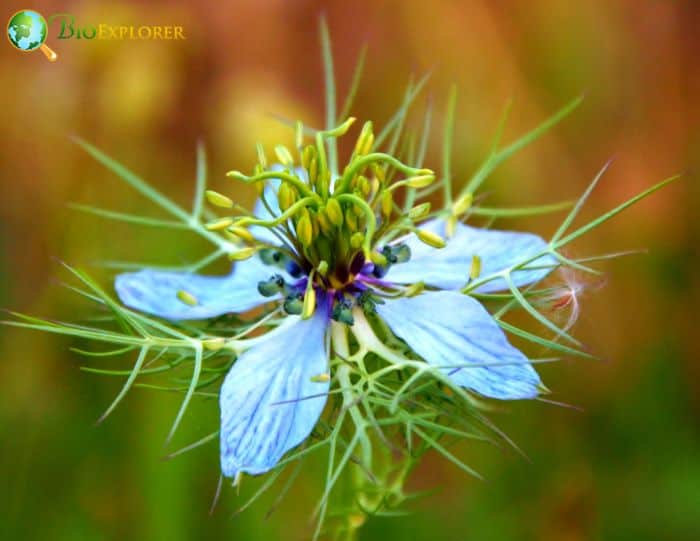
(270, 194)
(269, 403)
(448, 268)
(156, 292)
(449, 329)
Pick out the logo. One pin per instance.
(27, 31)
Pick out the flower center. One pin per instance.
(330, 231)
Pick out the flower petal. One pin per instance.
(449, 329)
(449, 267)
(158, 292)
(269, 403)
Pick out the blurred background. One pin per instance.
(626, 467)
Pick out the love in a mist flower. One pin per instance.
(332, 254)
(363, 330)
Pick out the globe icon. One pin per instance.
(27, 31)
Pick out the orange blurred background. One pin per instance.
(626, 467)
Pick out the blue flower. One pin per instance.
(274, 394)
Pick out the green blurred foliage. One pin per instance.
(627, 467)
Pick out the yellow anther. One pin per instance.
(322, 267)
(305, 230)
(387, 204)
(313, 170)
(351, 219)
(430, 238)
(299, 134)
(323, 182)
(356, 520)
(218, 225)
(475, 269)
(342, 129)
(309, 302)
(324, 223)
(420, 181)
(286, 196)
(377, 258)
(315, 227)
(262, 159)
(236, 175)
(214, 344)
(243, 253)
(218, 200)
(463, 204)
(356, 240)
(365, 186)
(284, 156)
(379, 172)
(334, 212)
(241, 233)
(419, 211)
(321, 378)
(260, 188)
(307, 155)
(365, 140)
(187, 298)
(450, 226)
(414, 289)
